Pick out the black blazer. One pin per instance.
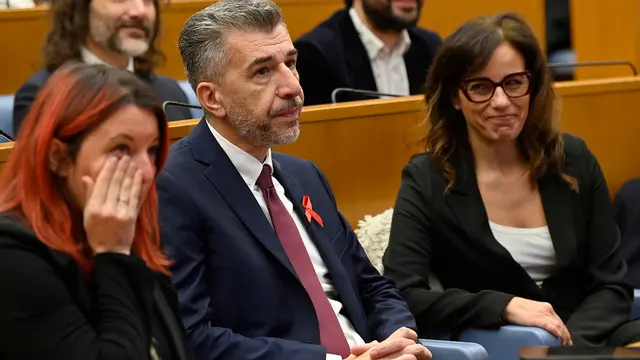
(332, 55)
(50, 310)
(166, 89)
(448, 235)
(626, 205)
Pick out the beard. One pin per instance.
(260, 131)
(383, 18)
(107, 33)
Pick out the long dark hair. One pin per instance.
(70, 27)
(467, 51)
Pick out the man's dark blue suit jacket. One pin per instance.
(239, 296)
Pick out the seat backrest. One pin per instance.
(6, 114)
(373, 234)
(191, 96)
(626, 205)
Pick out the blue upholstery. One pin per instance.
(504, 343)
(6, 115)
(635, 308)
(455, 350)
(191, 95)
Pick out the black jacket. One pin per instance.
(449, 235)
(50, 310)
(626, 206)
(166, 89)
(332, 55)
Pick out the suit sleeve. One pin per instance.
(407, 261)
(608, 298)
(25, 96)
(315, 74)
(41, 320)
(386, 310)
(184, 241)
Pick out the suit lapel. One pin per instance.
(359, 69)
(414, 62)
(336, 270)
(556, 198)
(223, 175)
(295, 193)
(466, 203)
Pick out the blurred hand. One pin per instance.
(111, 207)
(525, 312)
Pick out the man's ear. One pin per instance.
(209, 95)
(59, 158)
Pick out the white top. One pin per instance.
(250, 168)
(532, 248)
(387, 63)
(90, 58)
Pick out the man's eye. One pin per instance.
(262, 71)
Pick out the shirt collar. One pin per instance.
(372, 43)
(91, 58)
(248, 166)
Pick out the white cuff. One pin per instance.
(333, 357)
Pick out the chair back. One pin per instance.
(193, 99)
(373, 233)
(6, 115)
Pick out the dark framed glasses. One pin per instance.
(480, 90)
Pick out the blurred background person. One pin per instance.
(119, 33)
(370, 45)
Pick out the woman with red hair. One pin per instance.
(82, 275)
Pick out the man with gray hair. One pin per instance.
(265, 265)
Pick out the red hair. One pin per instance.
(74, 101)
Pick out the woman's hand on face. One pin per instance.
(112, 205)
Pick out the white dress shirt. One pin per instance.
(250, 168)
(90, 58)
(387, 63)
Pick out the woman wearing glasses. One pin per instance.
(510, 215)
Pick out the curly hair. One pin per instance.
(467, 51)
(70, 19)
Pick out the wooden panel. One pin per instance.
(605, 30)
(5, 151)
(604, 113)
(446, 16)
(361, 152)
(29, 27)
(23, 32)
(364, 169)
(362, 146)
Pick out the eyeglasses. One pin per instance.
(480, 90)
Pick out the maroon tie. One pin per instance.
(331, 335)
